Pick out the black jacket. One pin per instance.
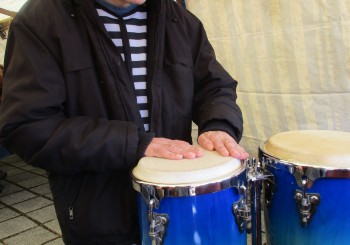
(69, 106)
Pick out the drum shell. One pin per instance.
(200, 219)
(330, 223)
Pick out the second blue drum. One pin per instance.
(307, 196)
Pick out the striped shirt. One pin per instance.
(129, 34)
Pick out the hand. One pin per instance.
(172, 149)
(223, 143)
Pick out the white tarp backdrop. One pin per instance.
(12, 5)
(291, 59)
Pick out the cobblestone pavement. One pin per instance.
(27, 214)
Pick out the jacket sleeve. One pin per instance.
(215, 96)
(33, 121)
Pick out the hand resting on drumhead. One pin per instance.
(172, 149)
(223, 143)
(211, 140)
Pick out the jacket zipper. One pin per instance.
(127, 109)
(152, 72)
(99, 37)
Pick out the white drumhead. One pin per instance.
(316, 148)
(211, 167)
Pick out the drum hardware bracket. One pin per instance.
(242, 212)
(158, 224)
(149, 193)
(260, 173)
(306, 203)
(312, 174)
(256, 176)
(256, 172)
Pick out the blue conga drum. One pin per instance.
(192, 201)
(307, 196)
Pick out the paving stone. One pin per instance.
(42, 189)
(58, 241)
(14, 226)
(49, 196)
(28, 168)
(34, 236)
(6, 213)
(14, 171)
(32, 182)
(54, 226)
(16, 197)
(14, 160)
(32, 204)
(39, 171)
(9, 158)
(6, 167)
(44, 214)
(9, 188)
(21, 177)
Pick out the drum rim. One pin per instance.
(190, 172)
(298, 163)
(195, 189)
(306, 168)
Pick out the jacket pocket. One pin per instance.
(65, 191)
(179, 61)
(75, 197)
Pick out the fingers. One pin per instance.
(237, 151)
(172, 149)
(211, 140)
(205, 142)
(223, 143)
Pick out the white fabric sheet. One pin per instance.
(291, 59)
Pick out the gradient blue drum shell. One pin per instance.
(204, 219)
(330, 225)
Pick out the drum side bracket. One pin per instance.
(149, 193)
(158, 224)
(306, 205)
(242, 211)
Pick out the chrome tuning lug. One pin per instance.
(158, 224)
(306, 203)
(242, 212)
